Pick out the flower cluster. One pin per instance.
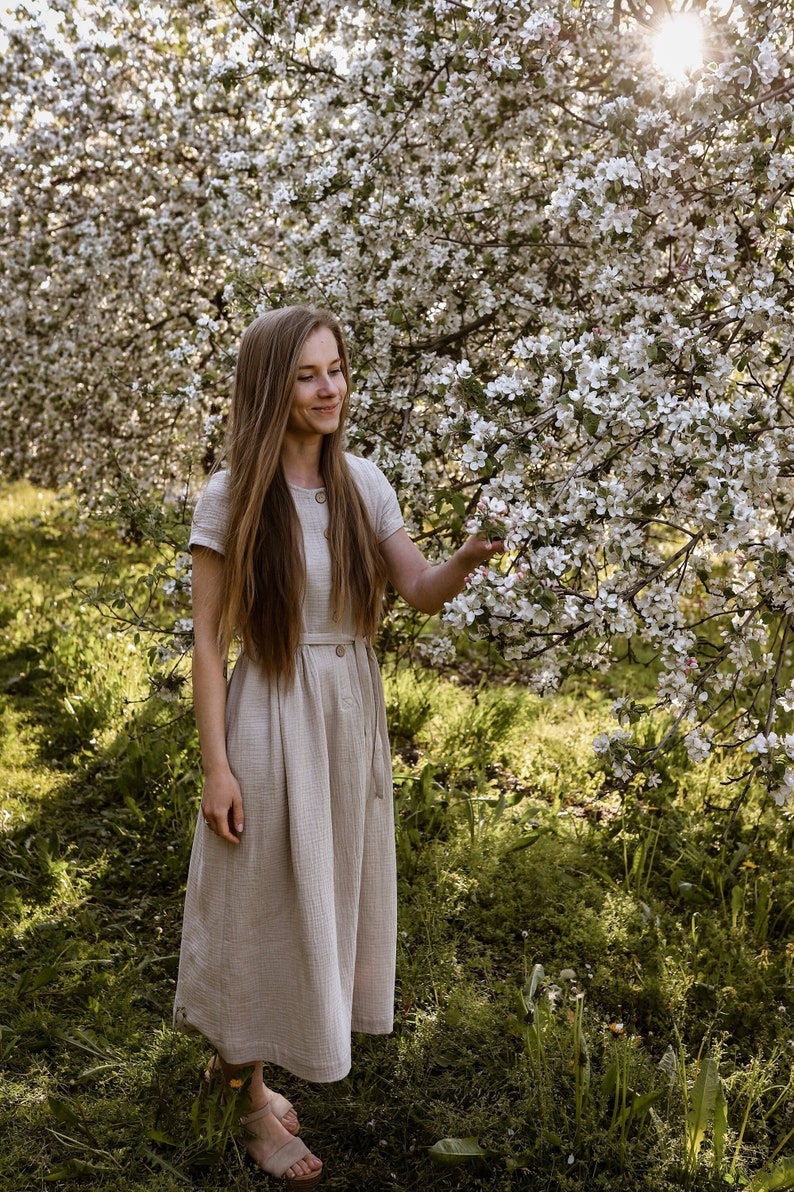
(569, 303)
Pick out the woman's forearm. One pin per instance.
(426, 586)
(437, 584)
(209, 701)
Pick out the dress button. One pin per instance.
(319, 498)
(340, 651)
(326, 534)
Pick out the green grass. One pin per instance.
(663, 928)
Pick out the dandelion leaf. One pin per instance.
(774, 1179)
(452, 1152)
(701, 1111)
(720, 1125)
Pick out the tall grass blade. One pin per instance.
(164, 1165)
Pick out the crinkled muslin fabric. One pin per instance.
(289, 938)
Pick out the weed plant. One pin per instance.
(594, 983)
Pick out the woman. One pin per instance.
(290, 916)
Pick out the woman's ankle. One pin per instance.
(238, 1076)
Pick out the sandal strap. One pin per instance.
(256, 1115)
(280, 1105)
(281, 1160)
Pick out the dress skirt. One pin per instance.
(289, 939)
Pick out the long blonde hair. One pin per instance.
(265, 570)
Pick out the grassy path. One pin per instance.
(666, 952)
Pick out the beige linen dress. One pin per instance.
(289, 938)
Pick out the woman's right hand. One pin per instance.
(222, 806)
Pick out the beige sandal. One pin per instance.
(279, 1163)
(280, 1105)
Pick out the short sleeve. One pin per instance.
(211, 518)
(379, 496)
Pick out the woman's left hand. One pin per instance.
(478, 549)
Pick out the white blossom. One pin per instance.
(575, 333)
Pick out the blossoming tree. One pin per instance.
(566, 275)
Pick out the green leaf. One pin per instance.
(457, 501)
(774, 1179)
(737, 905)
(452, 1152)
(93, 1072)
(720, 1127)
(164, 1165)
(610, 1082)
(63, 1111)
(591, 422)
(701, 1111)
(72, 1169)
(29, 982)
(161, 1137)
(526, 841)
(641, 1104)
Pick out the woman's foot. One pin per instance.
(283, 1110)
(276, 1151)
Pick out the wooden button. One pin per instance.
(326, 534)
(340, 651)
(319, 498)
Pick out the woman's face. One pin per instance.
(320, 388)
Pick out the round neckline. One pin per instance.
(301, 488)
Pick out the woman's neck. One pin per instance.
(300, 461)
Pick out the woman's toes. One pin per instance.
(307, 1166)
(285, 1112)
(290, 1121)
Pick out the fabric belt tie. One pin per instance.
(368, 673)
